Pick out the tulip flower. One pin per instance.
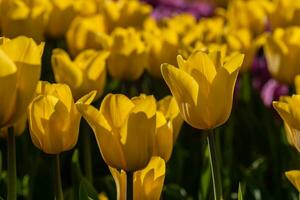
(294, 178)
(83, 34)
(163, 47)
(198, 85)
(251, 15)
(19, 127)
(124, 130)
(125, 13)
(61, 15)
(282, 49)
(288, 109)
(86, 73)
(128, 55)
(147, 183)
(19, 75)
(27, 18)
(54, 118)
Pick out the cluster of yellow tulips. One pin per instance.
(199, 61)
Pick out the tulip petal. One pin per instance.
(294, 178)
(146, 104)
(120, 178)
(137, 139)
(234, 62)
(108, 142)
(115, 109)
(88, 98)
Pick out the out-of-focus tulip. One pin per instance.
(61, 15)
(87, 33)
(19, 74)
(200, 83)
(297, 84)
(54, 119)
(147, 183)
(289, 110)
(87, 7)
(124, 13)
(169, 108)
(128, 55)
(243, 41)
(284, 13)
(282, 50)
(86, 73)
(124, 129)
(185, 20)
(19, 127)
(102, 196)
(294, 178)
(251, 15)
(163, 47)
(20, 17)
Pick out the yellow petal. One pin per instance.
(120, 178)
(88, 98)
(115, 109)
(201, 62)
(297, 84)
(234, 63)
(137, 138)
(146, 104)
(294, 178)
(108, 142)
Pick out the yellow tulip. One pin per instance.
(87, 7)
(169, 108)
(203, 87)
(297, 84)
(61, 15)
(289, 110)
(84, 34)
(186, 21)
(294, 178)
(54, 118)
(86, 73)
(128, 55)
(124, 13)
(163, 47)
(242, 41)
(102, 196)
(124, 129)
(20, 17)
(251, 15)
(147, 183)
(19, 74)
(282, 50)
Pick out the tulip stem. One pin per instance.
(87, 156)
(129, 192)
(214, 165)
(57, 184)
(11, 168)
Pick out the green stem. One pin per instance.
(214, 165)
(129, 188)
(87, 155)
(11, 168)
(57, 184)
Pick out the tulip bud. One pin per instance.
(147, 183)
(294, 178)
(86, 73)
(19, 74)
(200, 83)
(282, 50)
(128, 56)
(288, 109)
(54, 119)
(124, 130)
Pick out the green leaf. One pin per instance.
(240, 193)
(87, 191)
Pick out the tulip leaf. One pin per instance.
(240, 192)
(87, 191)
